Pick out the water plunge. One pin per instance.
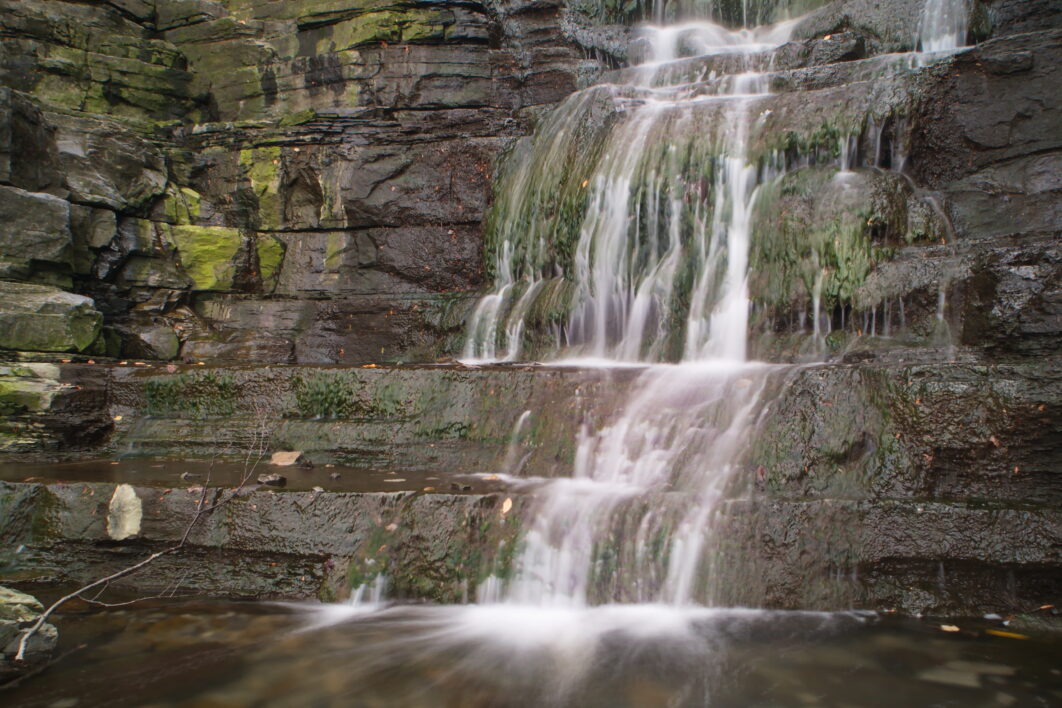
(622, 236)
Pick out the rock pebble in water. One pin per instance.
(272, 479)
(17, 612)
(286, 458)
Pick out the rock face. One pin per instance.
(923, 488)
(306, 182)
(273, 187)
(266, 181)
(46, 319)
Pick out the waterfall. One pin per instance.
(660, 225)
(622, 233)
(943, 25)
(640, 254)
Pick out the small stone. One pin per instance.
(285, 458)
(124, 513)
(17, 610)
(272, 479)
(950, 677)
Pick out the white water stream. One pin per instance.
(625, 543)
(943, 25)
(631, 523)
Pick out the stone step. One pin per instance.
(881, 429)
(946, 558)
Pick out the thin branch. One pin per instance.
(20, 656)
(162, 596)
(258, 445)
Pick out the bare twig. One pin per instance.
(201, 510)
(161, 596)
(20, 656)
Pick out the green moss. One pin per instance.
(298, 118)
(181, 205)
(196, 394)
(335, 246)
(262, 167)
(208, 254)
(24, 395)
(331, 394)
(270, 252)
(392, 25)
(813, 235)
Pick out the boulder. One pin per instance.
(18, 611)
(43, 318)
(34, 230)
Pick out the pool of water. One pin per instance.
(187, 473)
(211, 653)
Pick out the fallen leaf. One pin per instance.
(1005, 635)
(429, 489)
(117, 417)
(949, 628)
(507, 505)
(398, 479)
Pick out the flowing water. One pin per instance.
(641, 254)
(633, 521)
(943, 25)
(189, 653)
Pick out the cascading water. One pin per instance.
(631, 523)
(635, 249)
(943, 25)
(623, 235)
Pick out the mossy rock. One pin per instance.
(262, 167)
(47, 319)
(208, 254)
(270, 251)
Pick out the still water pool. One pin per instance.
(209, 653)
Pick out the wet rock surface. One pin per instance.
(287, 185)
(257, 179)
(19, 611)
(960, 516)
